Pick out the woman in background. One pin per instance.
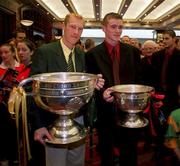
(25, 49)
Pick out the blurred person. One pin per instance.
(160, 45)
(147, 73)
(25, 49)
(119, 64)
(54, 57)
(148, 48)
(80, 45)
(38, 40)
(172, 140)
(89, 44)
(172, 136)
(20, 34)
(126, 39)
(11, 74)
(7, 53)
(135, 42)
(165, 64)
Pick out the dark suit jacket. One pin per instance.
(147, 72)
(172, 77)
(98, 61)
(50, 58)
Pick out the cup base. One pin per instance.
(135, 123)
(69, 142)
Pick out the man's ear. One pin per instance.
(103, 28)
(63, 26)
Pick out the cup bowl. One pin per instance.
(132, 98)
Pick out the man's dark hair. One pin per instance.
(19, 30)
(89, 43)
(170, 33)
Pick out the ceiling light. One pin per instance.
(26, 22)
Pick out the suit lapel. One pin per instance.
(79, 62)
(60, 58)
(103, 52)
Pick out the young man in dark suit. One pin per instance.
(118, 62)
(53, 57)
(166, 64)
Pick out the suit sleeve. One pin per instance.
(39, 62)
(37, 116)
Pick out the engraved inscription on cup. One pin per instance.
(63, 93)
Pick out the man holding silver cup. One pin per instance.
(119, 64)
(61, 56)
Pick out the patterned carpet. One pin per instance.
(145, 156)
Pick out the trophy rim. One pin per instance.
(39, 77)
(132, 88)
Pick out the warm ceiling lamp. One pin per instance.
(27, 22)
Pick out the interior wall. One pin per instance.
(7, 24)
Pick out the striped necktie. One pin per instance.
(70, 66)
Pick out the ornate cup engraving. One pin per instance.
(132, 99)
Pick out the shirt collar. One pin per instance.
(3, 66)
(170, 51)
(110, 47)
(66, 50)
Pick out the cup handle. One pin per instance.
(25, 81)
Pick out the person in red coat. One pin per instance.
(11, 73)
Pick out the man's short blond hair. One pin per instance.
(68, 16)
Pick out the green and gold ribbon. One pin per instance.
(17, 106)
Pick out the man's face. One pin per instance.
(126, 39)
(72, 31)
(113, 30)
(20, 36)
(168, 40)
(148, 49)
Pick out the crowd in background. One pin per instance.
(16, 54)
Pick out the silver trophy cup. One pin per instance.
(63, 93)
(132, 99)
